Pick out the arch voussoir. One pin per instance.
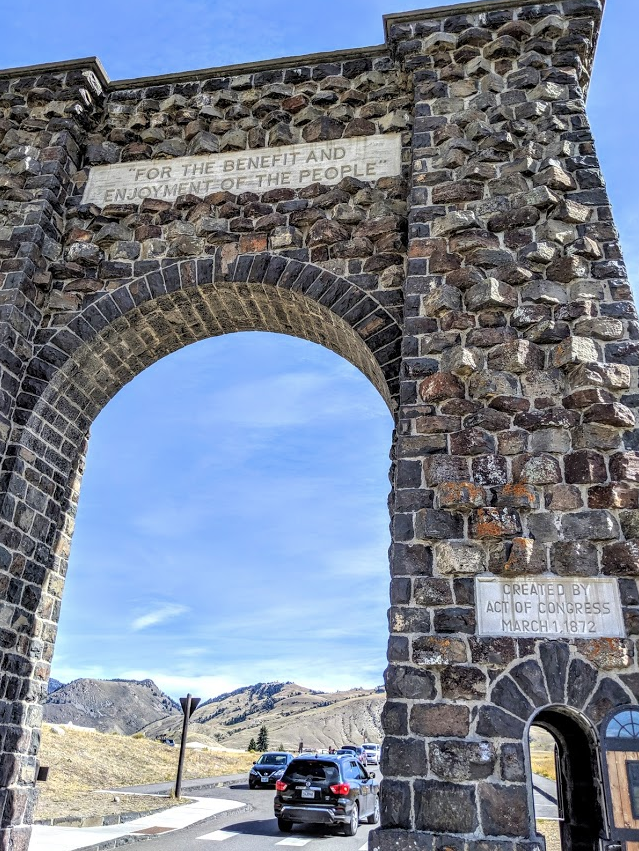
(582, 680)
(529, 678)
(379, 330)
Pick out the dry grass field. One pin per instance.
(543, 763)
(82, 763)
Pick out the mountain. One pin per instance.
(291, 713)
(111, 706)
(54, 685)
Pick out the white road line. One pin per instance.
(294, 841)
(219, 835)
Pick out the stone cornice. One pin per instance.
(472, 8)
(253, 67)
(93, 64)
(89, 63)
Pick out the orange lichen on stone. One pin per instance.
(606, 653)
(461, 495)
(494, 523)
(520, 492)
(253, 242)
(526, 557)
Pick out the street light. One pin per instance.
(188, 704)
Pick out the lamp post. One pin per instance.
(189, 705)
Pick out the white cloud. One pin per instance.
(66, 673)
(311, 672)
(366, 561)
(314, 673)
(288, 400)
(203, 686)
(158, 615)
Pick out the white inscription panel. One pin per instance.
(294, 166)
(570, 607)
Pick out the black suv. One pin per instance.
(326, 790)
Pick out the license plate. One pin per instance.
(264, 779)
(308, 793)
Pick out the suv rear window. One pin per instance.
(301, 770)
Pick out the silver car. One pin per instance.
(372, 752)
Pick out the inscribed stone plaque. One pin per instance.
(258, 170)
(566, 608)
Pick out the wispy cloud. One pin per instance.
(162, 613)
(287, 400)
(203, 686)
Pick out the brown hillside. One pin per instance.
(291, 713)
(111, 706)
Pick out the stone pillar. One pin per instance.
(43, 121)
(44, 118)
(515, 452)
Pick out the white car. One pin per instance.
(373, 753)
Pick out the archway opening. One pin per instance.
(566, 781)
(232, 490)
(80, 367)
(283, 400)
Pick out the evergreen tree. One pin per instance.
(281, 747)
(262, 739)
(252, 746)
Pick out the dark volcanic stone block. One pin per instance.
(463, 682)
(504, 809)
(582, 679)
(608, 695)
(529, 678)
(403, 757)
(408, 682)
(506, 694)
(395, 718)
(511, 763)
(494, 722)
(395, 803)
(445, 807)
(439, 719)
(455, 760)
(554, 659)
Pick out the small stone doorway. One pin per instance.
(579, 821)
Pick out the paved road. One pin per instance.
(545, 794)
(255, 830)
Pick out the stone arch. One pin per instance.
(579, 784)
(80, 366)
(77, 367)
(192, 299)
(561, 690)
(555, 678)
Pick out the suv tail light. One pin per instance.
(340, 789)
(280, 785)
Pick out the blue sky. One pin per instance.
(232, 523)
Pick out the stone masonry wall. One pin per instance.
(515, 454)
(95, 295)
(355, 230)
(483, 293)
